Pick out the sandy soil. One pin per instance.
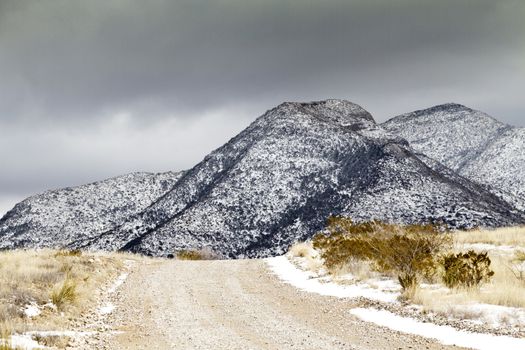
(232, 305)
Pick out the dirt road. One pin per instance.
(234, 305)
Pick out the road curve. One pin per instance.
(235, 304)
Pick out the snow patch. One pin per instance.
(106, 309)
(309, 282)
(444, 334)
(71, 334)
(23, 341)
(494, 315)
(32, 310)
(118, 282)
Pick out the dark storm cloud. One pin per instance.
(94, 85)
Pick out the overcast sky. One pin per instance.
(93, 89)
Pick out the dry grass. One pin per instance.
(503, 290)
(511, 236)
(361, 270)
(301, 250)
(66, 294)
(507, 287)
(67, 279)
(308, 253)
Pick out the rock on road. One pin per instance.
(234, 304)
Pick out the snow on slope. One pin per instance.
(279, 179)
(274, 183)
(471, 143)
(502, 164)
(58, 217)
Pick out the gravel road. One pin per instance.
(235, 304)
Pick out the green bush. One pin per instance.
(466, 269)
(409, 251)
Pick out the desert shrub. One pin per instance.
(411, 251)
(466, 269)
(194, 254)
(189, 255)
(67, 293)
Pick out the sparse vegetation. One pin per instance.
(51, 282)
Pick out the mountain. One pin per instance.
(278, 181)
(54, 218)
(471, 143)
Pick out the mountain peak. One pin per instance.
(332, 111)
(343, 107)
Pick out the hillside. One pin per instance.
(271, 185)
(471, 143)
(55, 218)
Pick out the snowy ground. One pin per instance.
(295, 274)
(310, 282)
(444, 334)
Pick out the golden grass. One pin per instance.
(65, 294)
(507, 287)
(69, 280)
(512, 236)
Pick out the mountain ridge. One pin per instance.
(279, 179)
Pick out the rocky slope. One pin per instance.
(470, 142)
(277, 182)
(56, 218)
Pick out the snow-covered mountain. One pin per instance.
(58, 217)
(274, 183)
(470, 142)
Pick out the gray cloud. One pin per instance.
(203, 69)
